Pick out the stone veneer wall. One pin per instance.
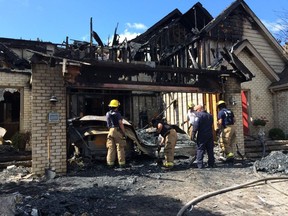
(48, 81)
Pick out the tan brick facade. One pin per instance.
(48, 81)
(20, 81)
(260, 98)
(281, 104)
(233, 91)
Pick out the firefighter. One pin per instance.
(168, 140)
(225, 122)
(116, 138)
(190, 118)
(202, 134)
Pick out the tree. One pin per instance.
(282, 29)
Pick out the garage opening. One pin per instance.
(138, 107)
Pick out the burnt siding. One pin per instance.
(231, 28)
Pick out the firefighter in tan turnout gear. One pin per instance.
(227, 131)
(116, 139)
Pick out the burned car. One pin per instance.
(87, 138)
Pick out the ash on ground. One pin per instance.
(6, 149)
(275, 162)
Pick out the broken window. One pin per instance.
(9, 110)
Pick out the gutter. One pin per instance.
(278, 88)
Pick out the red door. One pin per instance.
(245, 116)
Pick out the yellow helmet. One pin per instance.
(114, 103)
(190, 105)
(220, 102)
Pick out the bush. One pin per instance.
(262, 121)
(276, 134)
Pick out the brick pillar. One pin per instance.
(48, 81)
(233, 93)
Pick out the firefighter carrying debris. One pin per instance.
(116, 138)
(169, 139)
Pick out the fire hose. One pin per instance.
(214, 193)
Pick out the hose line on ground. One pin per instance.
(213, 193)
(269, 183)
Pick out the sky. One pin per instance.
(54, 20)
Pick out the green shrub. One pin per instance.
(276, 134)
(19, 140)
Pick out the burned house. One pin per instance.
(190, 57)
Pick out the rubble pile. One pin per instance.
(152, 138)
(7, 148)
(275, 162)
(184, 146)
(14, 173)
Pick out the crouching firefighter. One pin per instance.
(168, 140)
(116, 138)
(226, 121)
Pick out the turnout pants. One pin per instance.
(228, 139)
(169, 148)
(190, 130)
(115, 147)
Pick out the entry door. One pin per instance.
(245, 111)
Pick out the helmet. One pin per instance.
(220, 102)
(190, 105)
(114, 103)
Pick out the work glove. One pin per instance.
(182, 123)
(150, 130)
(160, 145)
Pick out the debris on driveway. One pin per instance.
(275, 162)
(143, 188)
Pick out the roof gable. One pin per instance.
(196, 18)
(144, 37)
(257, 58)
(235, 7)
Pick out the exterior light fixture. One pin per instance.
(232, 101)
(53, 99)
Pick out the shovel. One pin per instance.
(49, 172)
(239, 153)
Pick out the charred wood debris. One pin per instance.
(167, 54)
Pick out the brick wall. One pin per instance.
(20, 81)
(233, 91)
(47, 81)
(281, 102)
(260, 98)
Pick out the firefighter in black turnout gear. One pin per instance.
(203, 136)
